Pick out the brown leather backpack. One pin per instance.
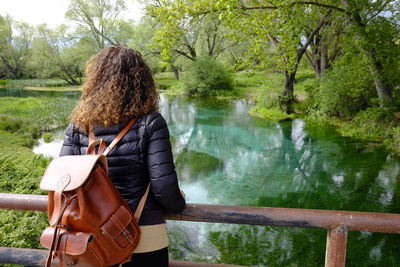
(91, 225)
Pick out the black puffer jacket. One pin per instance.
(142, 155)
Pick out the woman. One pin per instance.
(119, 87)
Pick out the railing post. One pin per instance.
(336, 243)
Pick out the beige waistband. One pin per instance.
(152, 237)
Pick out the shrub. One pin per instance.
(21, 228)
(346, 89)
(3, 82)
(271, 114)
(370, 124)
(393, 143)
(270, 99)
(206, 77)
(47, 137)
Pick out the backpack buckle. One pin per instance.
(126, 235)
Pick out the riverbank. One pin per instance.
(370, 125)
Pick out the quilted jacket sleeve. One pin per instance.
(67, 147)
(161, 168)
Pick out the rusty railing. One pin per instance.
(338, 224)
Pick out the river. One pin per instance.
(225, 156)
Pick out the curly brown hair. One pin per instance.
(119, 87)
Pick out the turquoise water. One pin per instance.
(225, 156)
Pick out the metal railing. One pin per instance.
(338, 223)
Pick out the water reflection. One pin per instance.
(225, 156)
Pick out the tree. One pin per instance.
(15, 46)
(97, 18)
(355, 10)
(325, 47)
(280, 28)
(284, 22)
(189, 37)
(57, 54)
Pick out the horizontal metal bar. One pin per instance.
(310, 218)
(37, 257)
(23, 202)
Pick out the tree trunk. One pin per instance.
(176, 71)
(383, 89)
(287, 96)
(323, 60)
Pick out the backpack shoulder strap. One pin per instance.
(119, 136)
(140, 206)
(116, 139)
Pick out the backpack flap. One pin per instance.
(70, 242)
(70, 172)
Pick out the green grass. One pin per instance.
(28, 117)
(270, 114)
(246, 83)
(40, 85)
(166, 81)
(20, 169)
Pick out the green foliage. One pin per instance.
(27, 117)
(346, 89)
(371, 124)
(393, 143)
(47, 137)
(249, 83)
(274, 114)
(15, 47)
(21, 228)
(97, 19)
(206, 77)
(381, 34)
(166, 81)
(270, 98)
(21, 176)
(55, 55)
(3, 82)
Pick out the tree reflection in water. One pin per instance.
(225, 156)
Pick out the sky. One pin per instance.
(52, 12)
